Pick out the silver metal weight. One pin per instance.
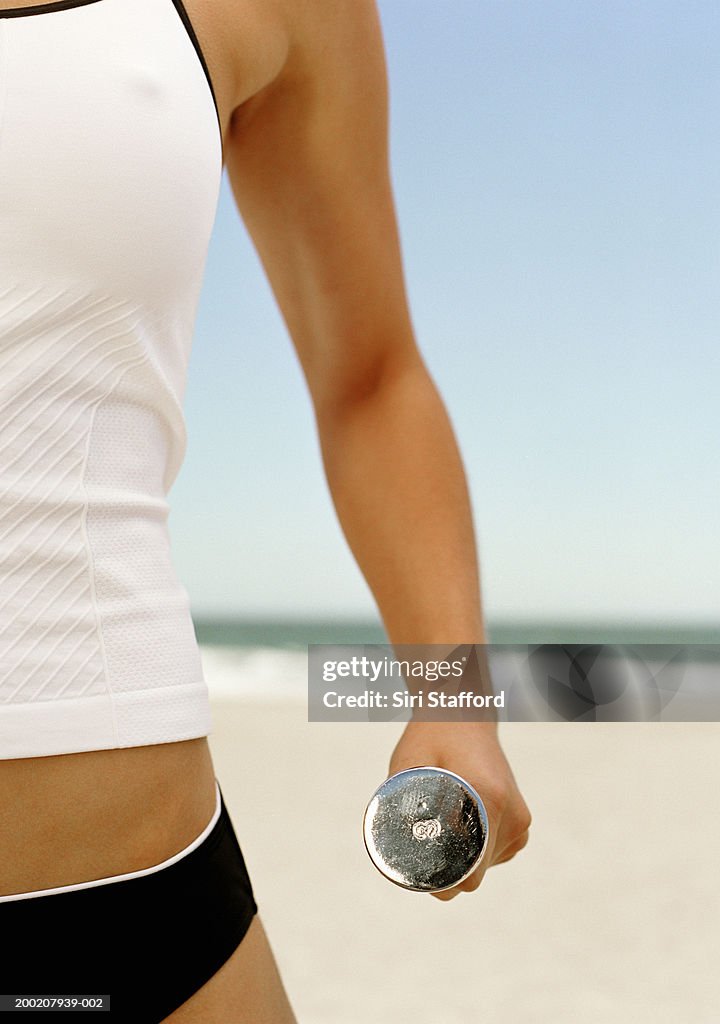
(425, 829)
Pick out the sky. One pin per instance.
(556, 170)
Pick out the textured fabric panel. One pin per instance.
(147, 630)
(61, 352)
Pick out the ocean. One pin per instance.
(266, 659)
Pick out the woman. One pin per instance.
(116, 118)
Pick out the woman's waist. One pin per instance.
(77, 817)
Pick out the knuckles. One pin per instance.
(504, 803)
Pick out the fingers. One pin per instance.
(512, 848)
(447, 894)
(472, 882)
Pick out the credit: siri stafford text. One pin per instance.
(382, 682)
(418, 699)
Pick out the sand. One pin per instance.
(610, 914)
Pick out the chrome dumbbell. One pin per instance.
(426, 829)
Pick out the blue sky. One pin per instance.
(556, 168)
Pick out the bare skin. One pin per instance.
(301, 91)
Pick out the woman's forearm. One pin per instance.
(399, 487)
(398, 484)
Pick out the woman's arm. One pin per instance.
(308, 162)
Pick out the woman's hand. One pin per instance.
(471, 750)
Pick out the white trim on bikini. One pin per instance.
(130, 874)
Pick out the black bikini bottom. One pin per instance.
(148, 941)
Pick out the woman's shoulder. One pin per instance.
(273, 41)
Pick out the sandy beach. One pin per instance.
(611, 913)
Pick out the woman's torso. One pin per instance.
(71, 817)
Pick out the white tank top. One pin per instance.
(110, 169)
